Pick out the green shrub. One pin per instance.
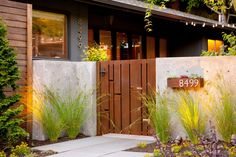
(142, 145)
(95, 53)
(224, 111)
(230, 39)
(10, 130)
(2, 154)
(228, 50)
(191, 118)
(176, 148)
(158, 114)
(157, 153)
(70, 108)
(21, 150)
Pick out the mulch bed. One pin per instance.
(35, 143)
(149, 149)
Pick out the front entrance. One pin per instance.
(120, 108)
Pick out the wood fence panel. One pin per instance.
(123, 82)
(104, 109)
(125, 95)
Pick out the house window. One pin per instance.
(136, 47)
(49, 35)
(214, 45)
(105, 42)
(122, 46)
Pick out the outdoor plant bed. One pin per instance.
(35, 143)
(38, 153)
(186, 148)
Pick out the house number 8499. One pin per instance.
(188, 82)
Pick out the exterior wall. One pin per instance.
(77, 24)
(64, 76)
(17, 17)
(14, 14)
(206, 67)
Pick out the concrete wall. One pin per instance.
(206, 67)
(64, 76)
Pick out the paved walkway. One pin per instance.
(109, 145)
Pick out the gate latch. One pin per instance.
(102, 71)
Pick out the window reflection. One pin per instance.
(49, 34)
(105, 42)
(136, 47)
(122, 49)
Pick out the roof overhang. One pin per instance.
(172, 14)
(139, 6)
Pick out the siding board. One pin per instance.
(14, 15)
(14, 11)
(7, 16)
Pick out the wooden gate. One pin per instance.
(121, 83)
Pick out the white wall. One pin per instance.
(64, 76)
(206, 67)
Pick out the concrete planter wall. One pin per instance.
(63, 75)
(206, 67)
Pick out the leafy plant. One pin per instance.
(191, 118)
(211, 53)
(176, 148)
(3, 154)
(188, 153)
(70, 109)
(156, 153)
(158, 114)
(21, 150)
(142, 145)
(224, 110)
(95, 53)
(230, 39)
(10, 130)
(192, 4)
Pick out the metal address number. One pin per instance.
(188, 82)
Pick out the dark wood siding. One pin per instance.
(14, 14)
(17, 17)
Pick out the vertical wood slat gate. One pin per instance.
(120, 85)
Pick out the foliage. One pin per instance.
(224, 110)
(46, 115)
(228, 50)
(156, 153)
(142, 145)
(70, 109)
(67, 110)
(192, 4)
(211, 53)
(158, 114)
(95, 53)
(219, 5)
(176, 148)
(51, 123)
(230, 39)
(10, 130)
(21, 150)
(148, 13)
(2, 154)
(191, 118)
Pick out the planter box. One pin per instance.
(185, 83)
